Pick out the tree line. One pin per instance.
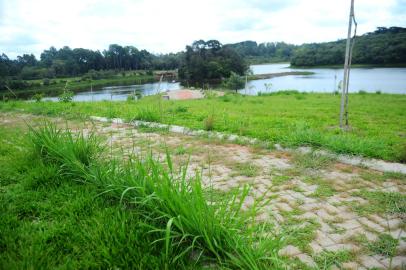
(385, 46)
(205, 60)
(74, 62)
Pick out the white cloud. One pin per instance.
(167, 26)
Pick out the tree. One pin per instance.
(210, 62)
(235, 82)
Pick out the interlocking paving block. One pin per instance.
(350, 224)
(338, 247)
(350, 266)
(397, 234)
(315, 247)
(284, 207)
(398, 262)
(289, 251)
(337, 238)
(308, 215)
(371, 225)
(370, 262)
(332, 210)
(306, 259)
(323, 239)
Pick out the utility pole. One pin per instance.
(347, 65)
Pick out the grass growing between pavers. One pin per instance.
(277, 118)
(384, 245)
(380, 202)
(245, 169)
(65, 206)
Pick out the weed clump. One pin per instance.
(147, 114)
(208, 123)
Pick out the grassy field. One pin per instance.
(377, 121)
(65, 204)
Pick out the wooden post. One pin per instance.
(91, 88)
(246, 83)
(347, 63)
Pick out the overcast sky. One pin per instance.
(161, 26)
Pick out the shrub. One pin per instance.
(378, 92)
(362, 92)
(45, 81)
(38, 97)
(66, 96)
(234, 82)
(131, 97)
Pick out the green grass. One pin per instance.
(65, 205)
(381, 202)
(312, 160)
(278, 118)
(245, 169)
(324, 187)
(327, 259)
(299, 236)
(384, 245)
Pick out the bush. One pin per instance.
(234, 82)
(378, 92)
(45, 81)
(362, 92)
(131, 97)
(66, 96)
(38, 97)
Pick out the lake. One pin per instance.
(386, 80)
(122, 92)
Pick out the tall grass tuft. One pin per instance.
(177, 211)
(147, 114)
(208, 123)
(73, 153)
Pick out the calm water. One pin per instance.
(121, 92)
(387, 80)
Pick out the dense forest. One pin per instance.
(202, 60)
(264, 52)
(73, 62)
(385, 46)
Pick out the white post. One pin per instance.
(344, 95)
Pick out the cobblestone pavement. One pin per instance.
(332, 216)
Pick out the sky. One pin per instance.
(159, 26)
